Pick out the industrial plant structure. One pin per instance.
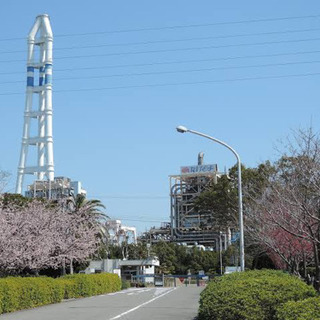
(117, 233)
(188, 226)
(38, 110)
(37, 127)
(59, 188)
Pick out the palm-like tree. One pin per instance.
(92, 207)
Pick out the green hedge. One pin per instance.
(125, 284)
(82, 285)
(250, 295)
(308, 309)
(21, 293)
(18, 293)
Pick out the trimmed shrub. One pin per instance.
(308, 309)
(83, 285)
(69, 287)
(21, 293)
(250, 295)
(125, 284)
(18, 293)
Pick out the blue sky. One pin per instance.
(121, 143)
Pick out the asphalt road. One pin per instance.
(132, 304)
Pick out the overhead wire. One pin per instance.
(175, 71)
(178, 83)
(173, 40)
(187, 61)
(184, 40)
(315, 16)
(172, 50)
(193, 82)
(193, 25)
(177, 62)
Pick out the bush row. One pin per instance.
(251, 295)
(18, 293)
(308, 309)
(82, 285)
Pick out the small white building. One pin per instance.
(127, 269)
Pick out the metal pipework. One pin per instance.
(183, 129)
(40, 36)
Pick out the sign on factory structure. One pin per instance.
(202, 169)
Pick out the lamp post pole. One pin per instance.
(220, 252)
(182, 129)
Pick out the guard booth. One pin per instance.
(139, 270)
(143, 270)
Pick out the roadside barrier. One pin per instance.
(165, 280)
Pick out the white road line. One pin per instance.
(114, 293)
(141, 305)
(129, 291)
(138, 292)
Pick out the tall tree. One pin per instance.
(94, 207)
(38, 235)
(290, 205)
(221, 200)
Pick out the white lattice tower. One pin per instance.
(40, 39)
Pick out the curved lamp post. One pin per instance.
(183, 129)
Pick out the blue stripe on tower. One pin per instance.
(41, 81)
(41, 69)
(48, 79)
(30, 81)
(30, 69)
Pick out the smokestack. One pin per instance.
(200, 158)
(40, 39)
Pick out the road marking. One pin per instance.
(114, 293)
(136, 292)
(129, 291)
(159, 291)
(143, 304)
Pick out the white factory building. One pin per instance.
(60, 187)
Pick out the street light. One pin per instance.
(183, 129)
(220, 251)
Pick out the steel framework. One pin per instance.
(117, 233)
(187, 225)
(40, 40)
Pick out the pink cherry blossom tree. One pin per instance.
(286, 218)
(39, 235)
